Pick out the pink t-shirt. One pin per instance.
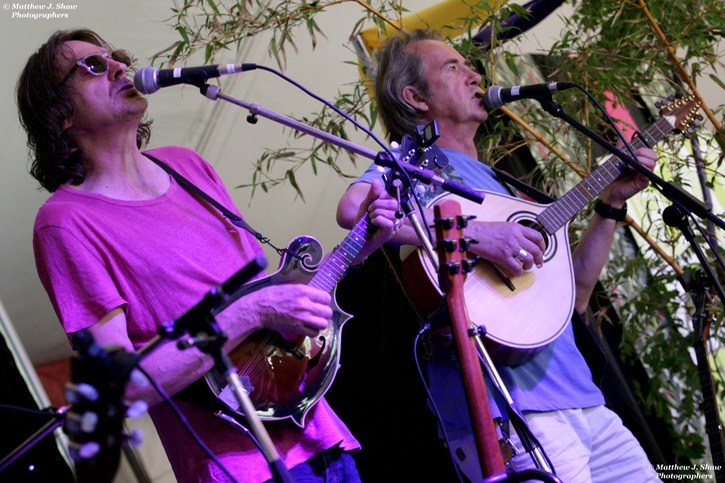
(156, 259)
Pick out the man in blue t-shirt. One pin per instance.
(420, 79)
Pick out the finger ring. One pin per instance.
(522, 254)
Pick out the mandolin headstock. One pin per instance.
(681, 112)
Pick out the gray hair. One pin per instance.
(399, 66)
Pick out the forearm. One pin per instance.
(170, 367)
(590, 256)
(351, 209)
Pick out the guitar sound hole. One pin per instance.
(550, 243)
(536, 226)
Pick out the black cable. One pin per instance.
(185, 422)
(37, 412)
(354, 122)
(426, 385)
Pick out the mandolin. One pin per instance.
(524, 314)
(285, 376)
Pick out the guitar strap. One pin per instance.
(526, 189)
(198, 392)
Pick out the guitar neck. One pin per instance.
(563, 210)
(334, 268)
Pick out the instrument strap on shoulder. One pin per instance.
(525, 189)
(191, 187)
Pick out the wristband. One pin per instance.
(607, 211)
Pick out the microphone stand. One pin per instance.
(682, 202)
(204, 333)
(676, 215)
(543, 471)
(404, 196)
(56, 421)
(424, 175)
(700, 287)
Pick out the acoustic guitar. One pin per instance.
(452, 250)
(524, 314)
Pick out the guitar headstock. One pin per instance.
(420, 150)
(452, 245)
(94, 420)
(681, 112)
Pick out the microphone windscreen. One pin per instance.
(145, 80)
(492, 98)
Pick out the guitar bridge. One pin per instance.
(507, 281)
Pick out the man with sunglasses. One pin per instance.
(121, 248)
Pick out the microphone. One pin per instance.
(497, 96)
(149, 80)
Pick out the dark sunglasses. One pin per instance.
(97, 64)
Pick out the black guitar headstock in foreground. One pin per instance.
(94, 420)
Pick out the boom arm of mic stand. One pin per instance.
(673, 192)
(427, 176)
(214, 93)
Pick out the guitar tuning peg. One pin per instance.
(464, 219)
(659, 104)
(75, 392)
(453, 267)
(81, 423)
(138, 377)
(447, 223)
(449, 245)
(466, 242)
(85, 451)
(137, 409)
(467, 265)
(134, 439)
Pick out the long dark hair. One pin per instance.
(44, 106)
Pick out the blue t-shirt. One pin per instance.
(555, 378)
